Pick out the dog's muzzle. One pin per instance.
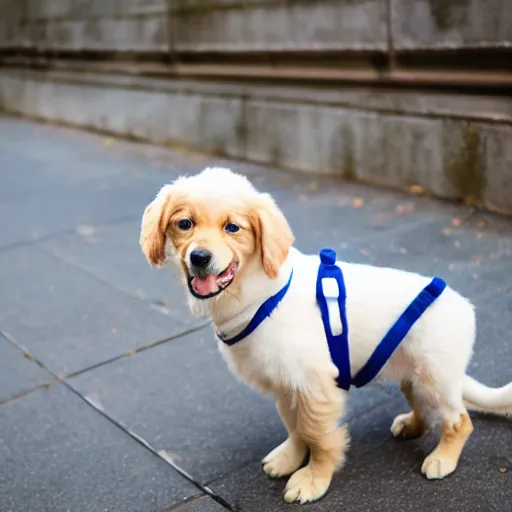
(202, 283)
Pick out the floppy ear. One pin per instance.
(273, 235)
(154, 226)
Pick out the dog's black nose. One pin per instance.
(200, 258)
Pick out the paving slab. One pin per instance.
(70, 320)
(21, 176)
(58, 455)
(54, 163)
(18, 373)
(113, 254)
(448, 240)
(33, 215)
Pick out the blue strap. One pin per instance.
(338, 345)
(264, 311)
(398, 332)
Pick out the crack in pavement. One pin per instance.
(99, 364)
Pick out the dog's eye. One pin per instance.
(184, 224)
(231, 228)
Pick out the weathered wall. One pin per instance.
(431, 24)
(255, 25)
(108, 25)
(392, 92)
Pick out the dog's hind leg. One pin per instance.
(288, 456)
(409, 425)
(456, 427)
(436, 393)
(318, 413)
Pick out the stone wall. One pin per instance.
(391, 92)
(72, 25)
(255, 25)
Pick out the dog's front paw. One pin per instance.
(436, 467)
(303, 486)
(285, 459)
(407, 426)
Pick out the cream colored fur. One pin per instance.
(287, 355)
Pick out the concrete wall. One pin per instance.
(455, 142)
(255, 25)
(434, 24)
(108, 25)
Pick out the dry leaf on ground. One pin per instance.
(417, 190)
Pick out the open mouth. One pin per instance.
(206, 287)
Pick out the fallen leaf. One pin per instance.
(446, 231)
(481, 224)
(417, 190)
(109, 141)
(475, 259)
(358, 202)
(503, 470)
(456, 222)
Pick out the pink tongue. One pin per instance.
(205, 285)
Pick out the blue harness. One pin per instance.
(338, 344)
(328, 294)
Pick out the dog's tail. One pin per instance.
(479, 397)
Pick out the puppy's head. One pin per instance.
(218, 227)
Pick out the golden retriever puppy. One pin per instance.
(235, 249)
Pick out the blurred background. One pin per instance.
(391, 92)
(383, 129)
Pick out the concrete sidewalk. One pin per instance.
(102, 368)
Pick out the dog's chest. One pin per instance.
(282, 351)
